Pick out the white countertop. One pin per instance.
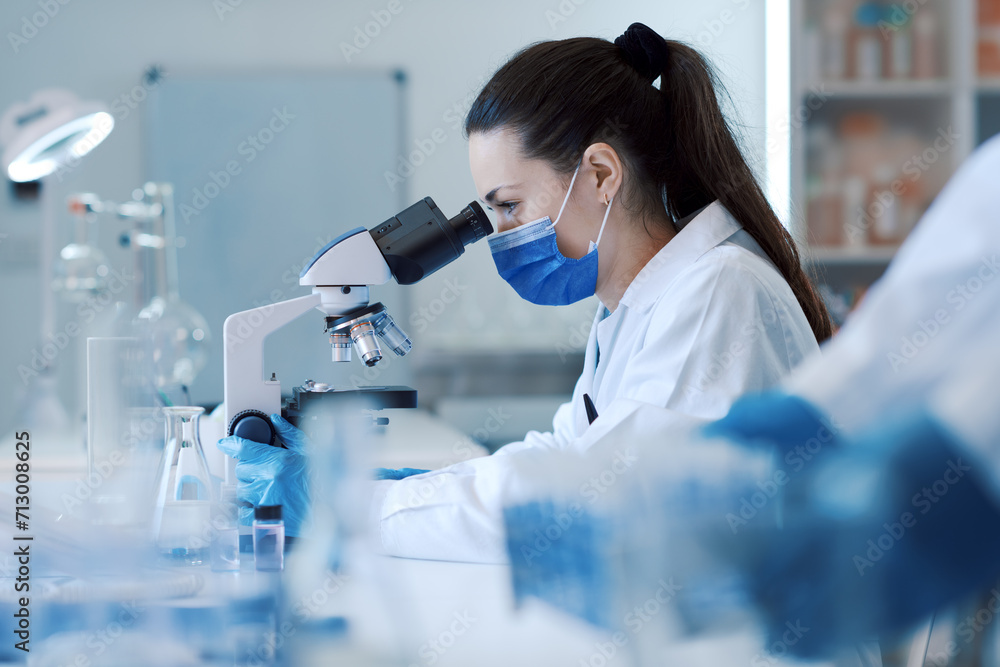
(440, 613)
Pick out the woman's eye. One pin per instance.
(509, 205)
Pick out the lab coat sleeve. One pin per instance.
(456, 513)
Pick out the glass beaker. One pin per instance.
(182, 526)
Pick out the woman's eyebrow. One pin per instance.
(491, 196)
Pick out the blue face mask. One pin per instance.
(528, 258)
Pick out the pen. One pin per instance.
(591, 410)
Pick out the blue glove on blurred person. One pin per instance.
(876, 533)
(775, 418)
(270, 475)
(400, 473)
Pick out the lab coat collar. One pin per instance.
(705, 231)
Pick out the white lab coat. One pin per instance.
(709, 318)
(926, 338)
(927, 335)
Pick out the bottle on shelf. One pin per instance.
(855, 216)
(884, 207)
(836, 22)
(988, 46)
(898, 62)
(926, 50)
(865, 57)
(824, 215)
(812, 52)
(861, 135)
(911, 206)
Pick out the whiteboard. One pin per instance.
(267, 169)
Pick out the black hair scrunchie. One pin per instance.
(644, 50)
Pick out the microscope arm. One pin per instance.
(243, 365)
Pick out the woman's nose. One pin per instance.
(504, 223)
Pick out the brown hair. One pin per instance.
(678, 149)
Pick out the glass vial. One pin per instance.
(225, 547)
(182, 513)
(868, 42)
(268, 538)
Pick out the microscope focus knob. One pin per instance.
(253, 425)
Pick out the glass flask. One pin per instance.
(182, 528)
(179, 338)
(177, 334)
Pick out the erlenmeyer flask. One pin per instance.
(182, 528)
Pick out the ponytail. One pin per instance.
(706, 164)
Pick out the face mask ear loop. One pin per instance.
(606, 214)
(566, 199)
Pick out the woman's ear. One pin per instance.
(603, 160)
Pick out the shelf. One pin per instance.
(848, 255)
(958, 104)
(990, 85)
(888, 88)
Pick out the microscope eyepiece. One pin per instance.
(420, 240)
(471, 224)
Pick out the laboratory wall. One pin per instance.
(100, 50)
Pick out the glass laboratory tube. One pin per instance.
(182, 515)
(225, 547)
(268, 538)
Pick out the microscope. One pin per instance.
(409, 246)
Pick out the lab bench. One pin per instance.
(377, 610)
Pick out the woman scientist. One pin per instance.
(602, 184)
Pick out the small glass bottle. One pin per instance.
(268, 538)
(925, 44)
(834, 50)
(225, 547)
(866, 53)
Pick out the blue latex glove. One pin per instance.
(777, 419)
(877, 532)
(573, 572)
(400, 473)
(270, 475)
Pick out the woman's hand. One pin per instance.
(270, 475)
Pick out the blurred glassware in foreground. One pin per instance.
(617, 537)
(225, 547)
(182, 514)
